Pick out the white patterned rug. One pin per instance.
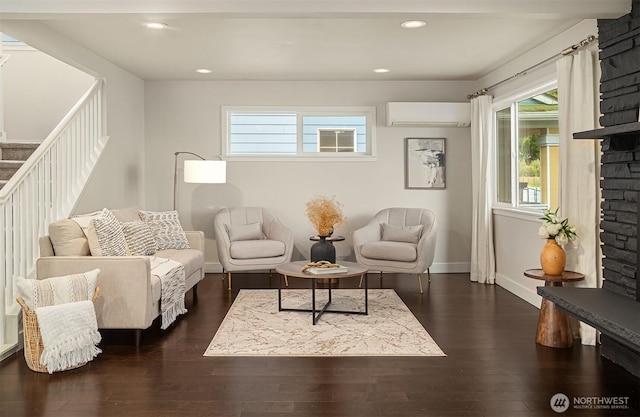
(254, 326)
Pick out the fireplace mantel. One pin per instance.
(624, 129)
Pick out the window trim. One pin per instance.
(509, 101)
(369, 111)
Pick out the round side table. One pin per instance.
(553, 326)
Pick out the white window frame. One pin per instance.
(368, 111)
(541, 86)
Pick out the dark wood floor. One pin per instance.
(493, 367)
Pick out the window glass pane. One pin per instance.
(503, 154)
(538, 151)
(263, 133)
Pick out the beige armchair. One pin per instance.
(251, 238)
(398, 240)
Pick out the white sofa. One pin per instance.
(129, 293)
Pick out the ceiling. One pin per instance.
(310, 39)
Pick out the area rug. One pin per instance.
(254, 326)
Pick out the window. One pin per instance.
(527, 150)
(270, 132)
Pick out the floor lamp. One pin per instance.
(202, 171)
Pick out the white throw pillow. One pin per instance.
(166, 228)
(58, 290)
(251, 231)
(139, 238)
(409, 234)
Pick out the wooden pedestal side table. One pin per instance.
(553, 326)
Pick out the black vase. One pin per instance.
(323, 251)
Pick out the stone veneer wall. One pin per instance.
(619, 41)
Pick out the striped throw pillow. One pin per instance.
(110, 235)
(139, 238)
(58, 290)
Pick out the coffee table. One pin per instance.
(294, 270)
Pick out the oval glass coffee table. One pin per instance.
(294, 270)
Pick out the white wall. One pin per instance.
(517, 244)
(117, 180)
(185, 116)
(53, 88)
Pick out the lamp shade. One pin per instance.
(205, 172)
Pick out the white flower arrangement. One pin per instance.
(557, 228)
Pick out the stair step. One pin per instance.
(8, 168)
(17, 151)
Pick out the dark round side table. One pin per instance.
(553, 326)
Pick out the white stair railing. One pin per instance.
(46, 188)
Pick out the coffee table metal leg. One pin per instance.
(280, 293)
(366, 296)
(313, 301)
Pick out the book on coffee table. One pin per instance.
(320, 271)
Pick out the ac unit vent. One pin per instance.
(428, 114)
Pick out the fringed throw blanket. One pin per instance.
(172, 276)
(69, 335)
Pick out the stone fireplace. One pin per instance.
(619, 42)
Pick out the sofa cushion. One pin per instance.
(409, 234)
(191, 259)
(130, 214)
(109, 234)
(58, 290)
(139, 238)
(390, 251)
(68, 239)
(251, 231)
(251, 249)
(166, 228)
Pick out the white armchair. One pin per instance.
(398, 240)
(251, 238)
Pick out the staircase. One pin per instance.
(39, 190)
(12, 156)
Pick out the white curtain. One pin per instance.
(578, 110)
(483, 264)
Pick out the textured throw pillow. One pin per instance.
(109, 234)
(166, 228)
(68, 238)
(58, 290)
(139, 238)
(252, 231)
(409, 234)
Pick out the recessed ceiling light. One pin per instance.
(413, 24)
(156, 25)
(204, 71)
(381, 70)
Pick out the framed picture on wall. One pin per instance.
(424, 163)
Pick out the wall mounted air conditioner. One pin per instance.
(428, 114)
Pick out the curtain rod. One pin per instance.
(567, 51)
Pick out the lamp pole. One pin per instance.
(175, 172)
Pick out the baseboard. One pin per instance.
(212, 268)
(450, 268)
(436, 268)
(518, 290)
(9, 349)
